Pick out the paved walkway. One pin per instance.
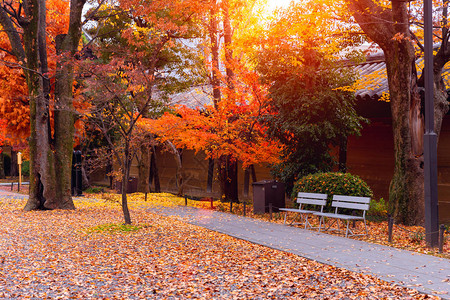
(428, 274)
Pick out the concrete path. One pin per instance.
(12, 195)
(425, 273)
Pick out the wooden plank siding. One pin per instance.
(371, 156)
(196, 175)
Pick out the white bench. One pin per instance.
(315, 199)
(359, 204)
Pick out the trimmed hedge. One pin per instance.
(332, 184)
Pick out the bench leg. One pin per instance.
(307, 222)
(320, 223)
(365, 227)
(293, 220)
(346, 232)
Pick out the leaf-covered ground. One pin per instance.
(86, 253)
(404, 237)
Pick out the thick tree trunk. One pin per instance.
(406, 193)
(50, 155)
(42, 171)
(390, 30)
(228, 179)
(64, 126)
(154, 173)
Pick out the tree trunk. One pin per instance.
(154, 173)
(215, 82)
(228, 179)
(50, 155)
(2, 166)
(42, 169)
(144, 169)
(390, 30)
(180, 171)
(406, 192)
(228, 166)
(125, 179)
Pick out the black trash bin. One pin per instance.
(265, 192)
(131, 186)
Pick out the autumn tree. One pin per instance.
(392, 27)
(307, 120)
(231, 128)
(228, 20)
(25, 24)
(311, 112)
(133, 72)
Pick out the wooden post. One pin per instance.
(390, 227)
(145, 196)
(245, 208)
(19, 162)
(441, 238)
(270, 211)
(185, 201)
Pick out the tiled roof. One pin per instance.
(372, 78)
(196, 97)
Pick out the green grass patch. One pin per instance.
(114, 228)
(94, 190)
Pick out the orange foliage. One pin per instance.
(14, 107)
(232, 128)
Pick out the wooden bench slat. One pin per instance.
(311, 201)
(352, 199)
(350, 205)
(339, 216)
(312, 195)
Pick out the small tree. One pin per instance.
(310, 113)
(135, 55)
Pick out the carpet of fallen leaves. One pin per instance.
(410, 238)
(56, 254)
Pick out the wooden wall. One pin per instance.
(371, 156)
(196, 175)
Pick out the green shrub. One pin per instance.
(94, 190)
(378, 208)
(26, 168)
(332, 184)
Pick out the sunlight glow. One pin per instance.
(274, 4)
